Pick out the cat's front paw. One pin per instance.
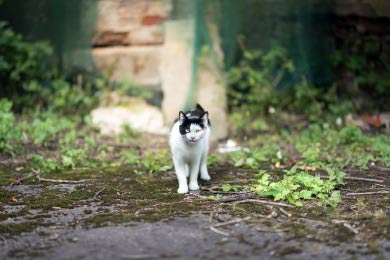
(205, 177)
(182, 189)
(194, 186)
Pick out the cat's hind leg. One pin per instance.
(204, 174)
(180, 170)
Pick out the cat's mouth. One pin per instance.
(192, 141)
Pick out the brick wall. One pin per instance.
(128, 39)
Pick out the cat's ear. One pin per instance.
(205, 118)
(182, 117)
(198, 106)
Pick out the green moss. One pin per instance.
(6, 196)
(17, 228)
(87, 211)
(50, 198)
(289, 250)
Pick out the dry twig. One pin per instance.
(255, 201)
(362, 179)
(285, 212)
(350, 228)
(218, 231)
(98, 193)
(367, 193)
(237, 198)
(140, 257)
(356, 179)
(38, 175)
(231, 222)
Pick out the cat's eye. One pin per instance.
(198, 130)
(187, 130)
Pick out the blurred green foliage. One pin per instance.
(6, 124)
(32, 83)
(253, 84)
(21, 61)
(259, 85)
(362, 68)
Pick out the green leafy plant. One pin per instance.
(300, 185)
(351, 134)
(44, 164)
(229, 187)
(381, 148)
(73, 157)
(7, 119)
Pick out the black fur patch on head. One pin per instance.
(195, 116)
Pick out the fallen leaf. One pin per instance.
(14, 199)
(18, 169)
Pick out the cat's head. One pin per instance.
(193, 125)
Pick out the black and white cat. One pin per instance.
(189, 141)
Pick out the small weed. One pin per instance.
(71, 157)
(352, 135)
(229, 187)
(381, 148)
(256, 157)
(214, 160)
(44, 164)
(156, 162)
(131, 157)
(128, 134)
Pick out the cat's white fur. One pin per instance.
(190, 157)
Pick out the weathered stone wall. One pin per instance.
(128, 38)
